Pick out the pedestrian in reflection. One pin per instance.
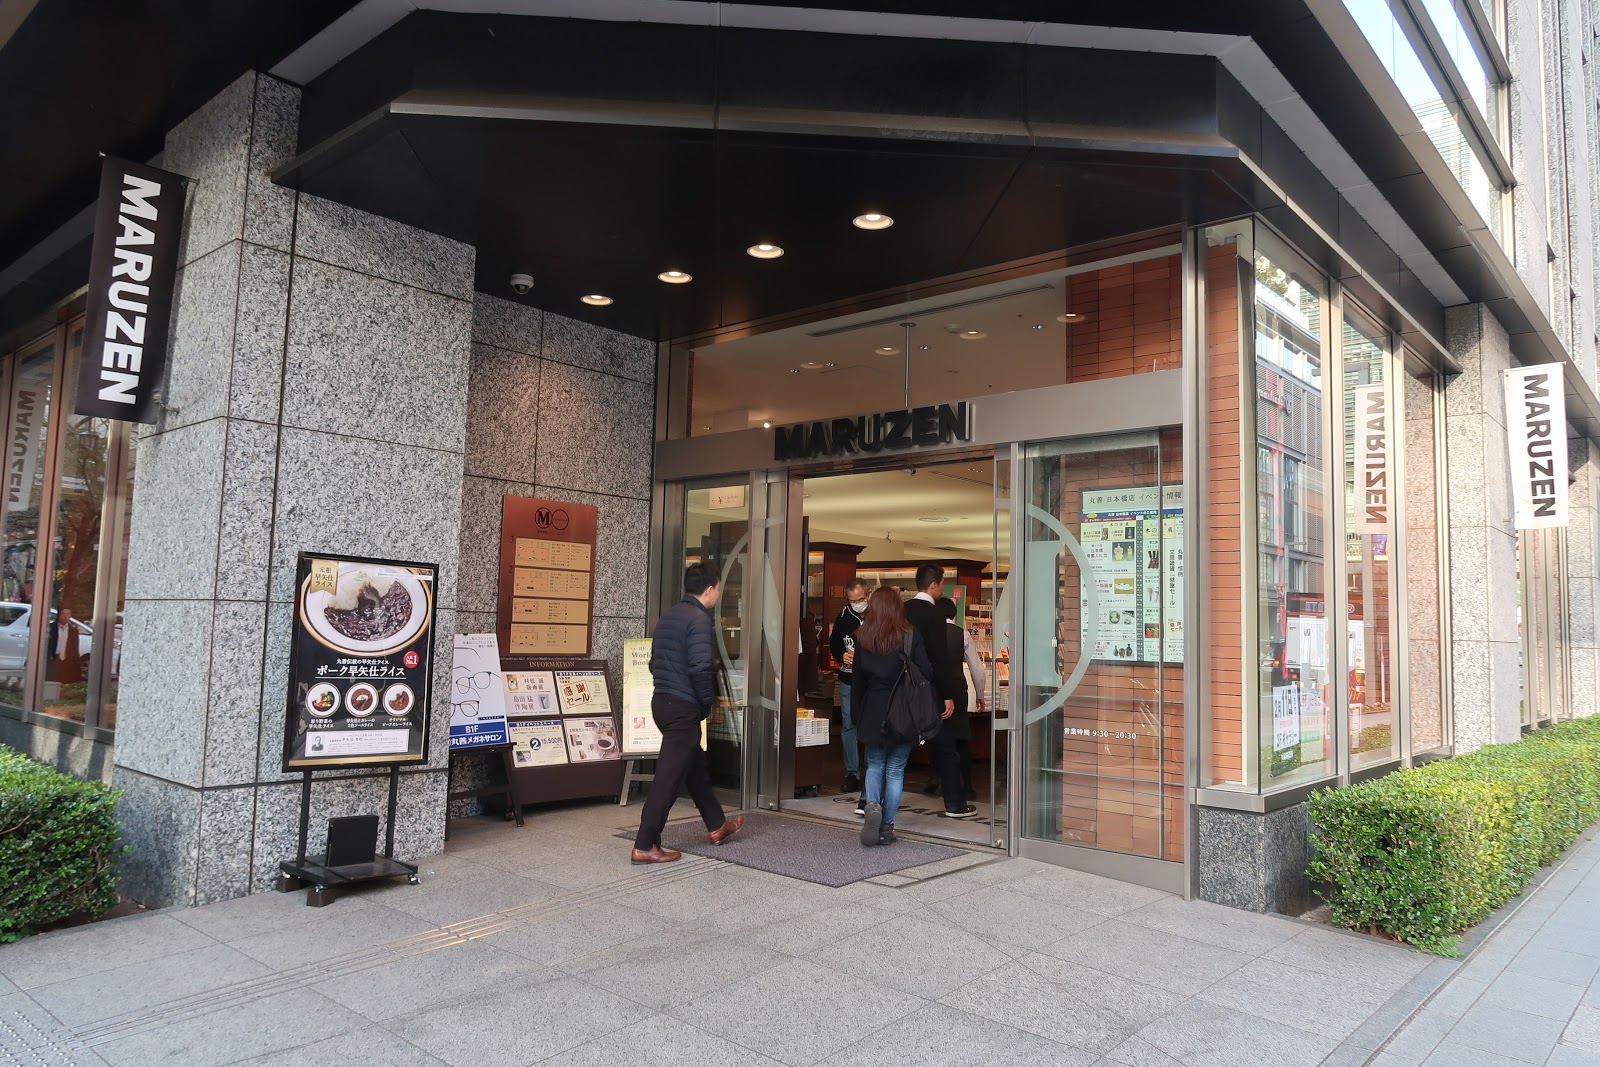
(884, 636)
(842, 643)
(682, 659)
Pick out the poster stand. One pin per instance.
(324, 879)
(631, 775)
(507, 789)
(571, 780)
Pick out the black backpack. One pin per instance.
(913, 705)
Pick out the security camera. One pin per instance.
(521, 283)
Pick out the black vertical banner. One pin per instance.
(132, 273)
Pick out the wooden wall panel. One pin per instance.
(1224, 624)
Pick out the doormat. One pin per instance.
(813, 852)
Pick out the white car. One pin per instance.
(14, 619)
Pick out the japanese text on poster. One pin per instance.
(477, 697)
(1135, 554)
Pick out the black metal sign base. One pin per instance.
(325, 881)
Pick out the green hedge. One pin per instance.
(1424, 854)
(58, 846)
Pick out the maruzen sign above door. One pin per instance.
(132, 271)
(1536, 430)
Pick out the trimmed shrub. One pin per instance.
(1423, 854)
(58, 846)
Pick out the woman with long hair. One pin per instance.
(883, 636)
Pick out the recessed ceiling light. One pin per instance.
(872, 220)
(764, 251)
(887, 350)
(766, 424)
(598, 300)
(923, 348)
(933, 518)
(1070, 316)
(675, 277)
(1038, 326)
(972, 335)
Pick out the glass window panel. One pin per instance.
(717, 532)
(1294, 657)
(28, 430)
(1443, 127)
(1424, 669)
(1458, 42)
(82, 465)
(1369, 511)
(1068, 325)
(123, 498)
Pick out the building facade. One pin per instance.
(1209, 311)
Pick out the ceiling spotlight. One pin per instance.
(1038, 326)
(887, 350)
(872, 220)
(764, 251)
(766, 424)
(675, 277)
(972, 335)
(598, 300)
(923, 348)
(1070, 316)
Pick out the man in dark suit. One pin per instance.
(922, 612)
(682, 657)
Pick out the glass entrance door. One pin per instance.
(1099, 672)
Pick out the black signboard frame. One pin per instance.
(316, 663)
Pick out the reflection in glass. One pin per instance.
(1294, 696)
(1101, 690)
(1369, 507)
(717, 533)
(28, 425)
(1438, 115)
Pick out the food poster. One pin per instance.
(360, 662)
(536, 742)
(583, 692)
(1135, 562)
(591, 740)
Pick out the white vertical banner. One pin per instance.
(1374, 441)
(1536, 434)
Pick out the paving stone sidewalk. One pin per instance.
(543, 945)
(1528, 993)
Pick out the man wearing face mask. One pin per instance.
(843, 644)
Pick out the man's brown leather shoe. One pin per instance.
(655, 855)
(726, 830)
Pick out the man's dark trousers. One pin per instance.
(681, 765)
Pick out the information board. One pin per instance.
(1135, 554)
(360, 662)
(640, 737)
(547, 555)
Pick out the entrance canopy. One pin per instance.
(593, 156)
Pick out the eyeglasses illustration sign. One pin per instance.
(477, 694)
(360, 663)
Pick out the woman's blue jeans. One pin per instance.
(886, 778)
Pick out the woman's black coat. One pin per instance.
(872, 682)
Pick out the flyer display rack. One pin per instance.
(590, 762)
(324, 880)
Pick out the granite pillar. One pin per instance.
(1486, 650)
(564, 410)
(1583, 581)
(1255, 862)
(293, 421)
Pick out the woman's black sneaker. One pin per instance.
(852, 784)
(886, 835)
(874, 824)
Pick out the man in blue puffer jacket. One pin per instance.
(682, 660)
